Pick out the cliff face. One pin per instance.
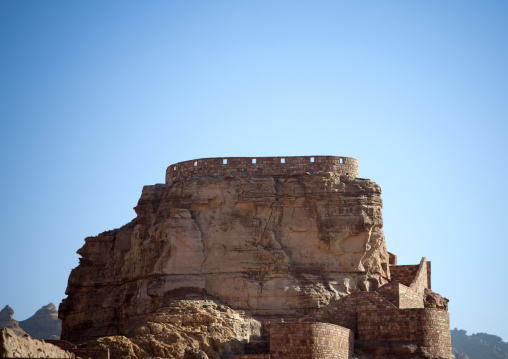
(275, 245)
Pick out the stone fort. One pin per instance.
(261, 166)
(399, 319)
(392, 315)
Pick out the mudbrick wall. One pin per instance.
(405, 274)
(401, 296)
(420, 281)
(310, 340)
(427, 328)
(261, 166)
(341, 312)
(393, 314)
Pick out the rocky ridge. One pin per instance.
(44, 324)
(478, 346)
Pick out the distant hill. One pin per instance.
(44, 324)
(7, 321)
(478, 346)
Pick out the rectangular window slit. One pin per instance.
(282, 160)
(253, 160)
(341, 160)
(195, 163)
(174, 168)
(225, 161)
(312, 159)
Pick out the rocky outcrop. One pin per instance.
(434, 300)
(185, 329)
(7, 321)
(275, 245)
(44, 324)
(14, 346)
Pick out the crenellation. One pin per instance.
(261, 166)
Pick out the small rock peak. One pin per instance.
(7, 312)
(47, 308)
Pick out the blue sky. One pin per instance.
(98, 98)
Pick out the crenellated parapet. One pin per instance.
(261, 166)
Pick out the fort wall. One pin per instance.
(420, 282)
(261, 166)
(401, 296)
(310, 340)
(427, 328)
(404, 274)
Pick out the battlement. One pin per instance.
(261, 166)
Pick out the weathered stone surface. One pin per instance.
(185, 329)
(434, 300)
(193, 353)
(44, 324)
(120, 347)
(14, 346)
(277, 246)
(7, 321)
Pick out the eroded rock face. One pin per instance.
(185, 329)
(276, 246)
(434, 300)
(14, 346)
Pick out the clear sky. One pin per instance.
(97, 98)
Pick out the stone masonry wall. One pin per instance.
(401, 296)
(421, 278)
(310, 341)
(252, 356)
(427, 328)
(341, 312)
(261, 166)
(410, 298)
(404, 274)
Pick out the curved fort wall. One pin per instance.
(261, 166)
(310, 340)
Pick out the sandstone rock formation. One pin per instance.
(228, 251)
(277, 245)
(185, 329)
(44, 324)
(14, 346)
(7, 321)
